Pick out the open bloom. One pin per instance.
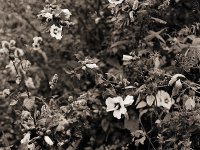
(115, 1)
(163, 99)
(118, 105)
(56, 32)
(67, 13)
(6, 92)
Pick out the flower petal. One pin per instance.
(115, 1)
(123, 110)
(91, 66)
(48, 140)
(117, 114)
(110, 104)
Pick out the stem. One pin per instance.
(146, 134)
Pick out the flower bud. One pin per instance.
(178, 84)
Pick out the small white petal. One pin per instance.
(110, 104)
(91, 66)
(48, 140)
(117, 114)
(127, 58)
(67, 13)
(48, 15)
(115, 1)
(123, 110)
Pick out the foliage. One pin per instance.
(104, 74)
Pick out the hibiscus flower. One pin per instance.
(56, 32)
(163, 99)
(118, 105)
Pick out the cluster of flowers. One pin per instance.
(56, 17)
(51, 121)
(161, 99)
(118, 105)
(16, 65)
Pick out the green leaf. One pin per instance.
(131, 124)
(105, 124)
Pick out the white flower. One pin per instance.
(31, 146)
(48, 15)
(67, 13)
(6, 92)
(117, 105)
(91, 66)
(36, 46)
(3, 52)
(48, 140)
(115, 1)
(127, 58)
(163, 99)
(37, 39)
(56, 32)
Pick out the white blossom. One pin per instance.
(115, 1)
(48, 140)
(91, 66)
(67, 13)
(56, 32)
(118, 105)
(163, 99)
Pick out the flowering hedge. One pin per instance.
(100, 74)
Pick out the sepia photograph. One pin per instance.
(99, 74)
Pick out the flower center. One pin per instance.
(55, 31)
(117, 106)
(166, 100)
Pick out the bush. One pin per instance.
(104, 74)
